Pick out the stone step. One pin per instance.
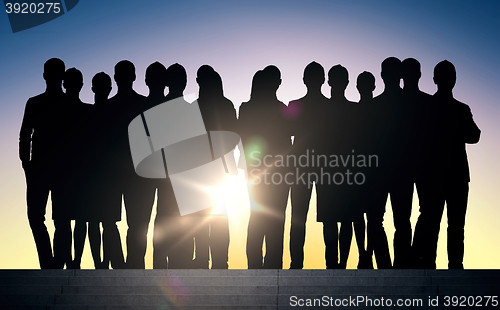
(173, 281)
(357, 290)
(168, 300)
(354, 281)
(227, 289)
(31, 289)
(186, 290)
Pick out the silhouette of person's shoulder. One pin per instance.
(46, 100)
(245, 108)
(129, 97)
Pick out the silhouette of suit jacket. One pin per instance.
(309, 116)
(418, 125)
(121, 110)
(452, 127)
(40, 129)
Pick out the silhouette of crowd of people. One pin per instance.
(80, 153)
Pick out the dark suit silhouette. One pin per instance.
(38, 147)
(308, 125)
(445, 178)
(138, 192)
(218, 114)
(387, 120)
(172, 240)
(417, 105)
(264, 117)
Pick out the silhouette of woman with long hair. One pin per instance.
(265, 132)
(172, 239)
(218, 114)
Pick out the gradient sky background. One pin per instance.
(238, 38)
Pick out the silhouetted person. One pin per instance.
(218, 115)
(172, 240)
(306, 115)
(264, 118)
(38, 150)
(99, 198)
(138, 192)
(67, 202)
(386, 116)
(446, 176)
(337, 202)
(365, 84)
(418, 105)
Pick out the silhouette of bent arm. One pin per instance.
(471, 132)
(26, 133)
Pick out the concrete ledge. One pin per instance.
(227, 289)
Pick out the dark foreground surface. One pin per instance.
(249, 289)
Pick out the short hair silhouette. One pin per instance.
(156, 74)
(338, 76)
(204, 73)
(176, 76)
(124, 72)
(314, 75)
(53, 69)
(391, 69)
(101, 83)
(73, 80)
(365, 83)
(272, 78)
(410, 69)
(445, 75)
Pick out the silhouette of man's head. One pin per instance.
(365, 84)
(73, 81)
(101, 84)
(53, 71)
(176, 78)
(272, 78)
(156, 75)
(391, 71)
(209, 80)
(445, 75)
(124, 73)
(338, 78)
(314, 75)
(410, 72)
